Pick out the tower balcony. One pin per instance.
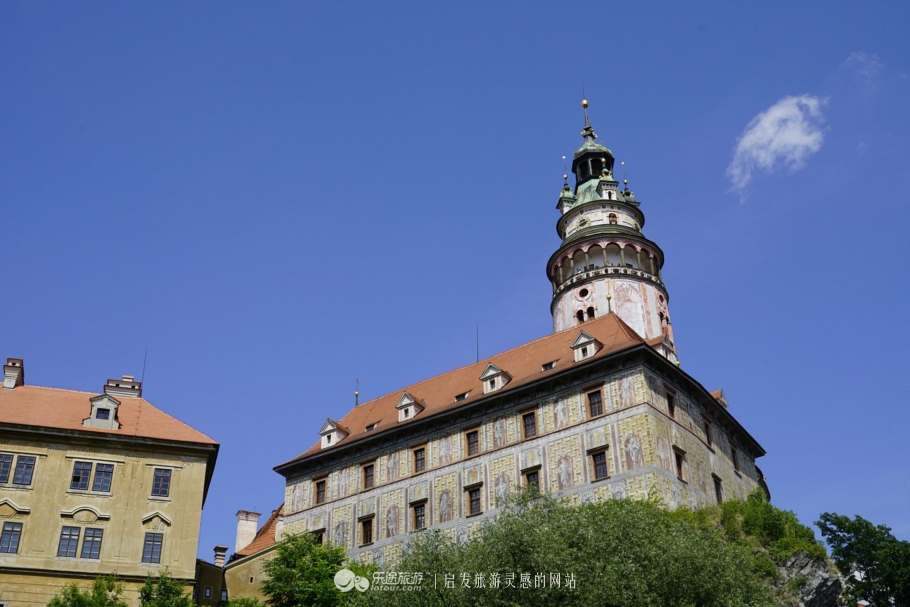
(618, 271)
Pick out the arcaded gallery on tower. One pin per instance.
(599, 409)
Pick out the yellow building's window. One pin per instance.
(161, 486)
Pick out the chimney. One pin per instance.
(220, 552)
(128, 387)
(246, 528)
(13, 373)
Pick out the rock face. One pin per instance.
(819, 585)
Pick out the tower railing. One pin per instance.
(617, 271)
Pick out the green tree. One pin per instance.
(164, 591)
(105, 592)
(302, 573)
(245, 601)
(611, 553)
(875, 563)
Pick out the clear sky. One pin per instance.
(274, 199)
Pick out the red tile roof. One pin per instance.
(65, 409)
(522, 363)
(265, 537)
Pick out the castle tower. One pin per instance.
(605, 263)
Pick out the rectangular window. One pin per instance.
(600, 465)
(671, 403)
(680, 465)
(6, 464)
(366, 532)
(734, 456)
(103, 475)
(420, 516)
(161, 485)
(547, 366)
(224, 596)
(595, 404)
(151, 551)
(103, 414)
(318, 537)
(718, 490)
(82, 471)
(368, 476)
(91, 545)
(709, 437)
(529, 420)
(320, 492)
(69, 540)
(532, 479)
(474, 501)
(461, 396)
(473, 443)
(420, 460)
(208, 592)
(9, 539)
(25, 465)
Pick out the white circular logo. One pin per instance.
(346, 580)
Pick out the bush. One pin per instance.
(105, 592)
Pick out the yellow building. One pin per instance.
(92, 484)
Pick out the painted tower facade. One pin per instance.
(605, 264)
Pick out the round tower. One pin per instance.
(605, 264)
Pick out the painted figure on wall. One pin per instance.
(342, 478)
(461, 534)
(628, 306)
(445, 451)
(634, 456)
(663, 453)
(560, 413)
(655, 388)
(501, 488)
(499, 432)
(446, 506)
(626, 388)
(297, 498)
(565, 473)
(392, 466)
(391, 521)
(340, 536)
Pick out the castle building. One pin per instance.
(92, 484)
(600, 409)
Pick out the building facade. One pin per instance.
(94, 483)
(598, 410)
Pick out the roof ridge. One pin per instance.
(488, 359)
(60, 389)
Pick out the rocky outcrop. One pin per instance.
(806, 582)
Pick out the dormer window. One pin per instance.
(331, 433)
(585, 346)
(103, 414)
(547, 366)
(461, 396)
(370, 427)
(494, 378)
(408, 407)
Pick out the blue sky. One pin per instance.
(276, 199)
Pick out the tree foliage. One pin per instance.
(104, 592)
(302, 572)
(621, 552)
(875, 563)
(164, 591)
(245, 601)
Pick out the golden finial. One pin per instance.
(584, 103)
(677, 363)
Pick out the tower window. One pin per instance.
(718, 490)
(591, 313)
(580, 316)
(529, 421)
(599, 462)
(709, 438)
(680, 464)
(595, 404)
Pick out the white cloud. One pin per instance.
(864, 67)
(785, 134)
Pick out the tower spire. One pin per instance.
(588, 132)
